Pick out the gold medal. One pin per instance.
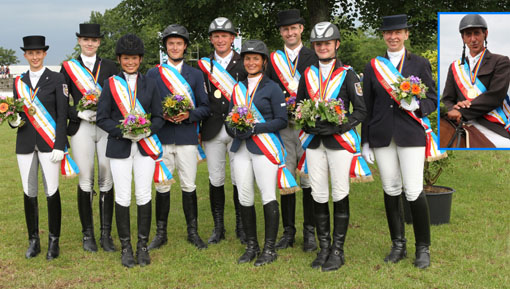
(472, 93)
(217, 93)
(31, 110)
(293, 85)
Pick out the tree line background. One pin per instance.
(358, 22)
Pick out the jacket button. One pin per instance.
(222, 102)
(391, 105)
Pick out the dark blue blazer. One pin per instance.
(385, 120)
(109, 115)
(184, 133)
(270, 102)
(53, 95)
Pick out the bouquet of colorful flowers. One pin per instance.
(9, 107)
(135, 124)
(241, 118)
(88, 101)
(309, 111)
(291, 104)
(406, 88)
(175, 104)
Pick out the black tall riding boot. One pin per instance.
(162, 210)
(288, 219)
(421, 225)
(144, 227)
(394, 211)
(271, 220)
(239, 223)
(122, 219)
(309, 243)
(217, 200)
(341, 223)
(322, 225)
(249, 219)
(54, 223)
(32, 219)
(106, 200)
(189, 205)
(87, 223)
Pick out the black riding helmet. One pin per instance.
(129, 44)
(175, 30)
(222, 24)
(255, 46)
(472, 21)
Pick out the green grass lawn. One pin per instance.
(473, 251)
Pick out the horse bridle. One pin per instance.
(459, 133)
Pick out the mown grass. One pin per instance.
(473, 251)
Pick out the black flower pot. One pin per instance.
(440, 205)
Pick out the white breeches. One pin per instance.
(399, 165)
(290, 137)
(249, 167)
(216, 151)
(88, 140)
(29, 168)
(322, 160)
(122, 171)
(496, 139)
(185, 159)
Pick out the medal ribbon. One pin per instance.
(292, 66)
(477, 67)
(350, 141)
(323, 84)
(269, 143)
(249, 98)
(44, 124)
(387, 75)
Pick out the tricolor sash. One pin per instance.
(82, 77)
(220, 77)
(387, 75)
(286, 71)
(269, 143)
(151, 145)
(461, 74)
(44, 124)
(350, 141)
(176, 83)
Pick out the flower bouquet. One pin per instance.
(309, 111)
(135, 124)
(9, 107)
(175, 104)
(406, 88)
(291, 104)
(241, 118)
(88, 101)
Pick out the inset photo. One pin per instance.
(474, 75)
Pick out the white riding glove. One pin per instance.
(136, 138)
(87, 115)
(16, 122)
(410, 106)
(57, 156)
(368, 153)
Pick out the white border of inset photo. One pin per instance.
(450, 46)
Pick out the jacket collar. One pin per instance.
(45, 76)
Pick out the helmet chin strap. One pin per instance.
(176, 59)
(327, 59)
(253, 74)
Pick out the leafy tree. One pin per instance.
(423, 14)
(8, 56)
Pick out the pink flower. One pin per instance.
(142, 120)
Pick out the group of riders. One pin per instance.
(272, 153)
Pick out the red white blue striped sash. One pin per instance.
(82, 77)
(44, 124)
(220, 77)
(387, 75)
(151, 145)
(284, 70)
(269, 143)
